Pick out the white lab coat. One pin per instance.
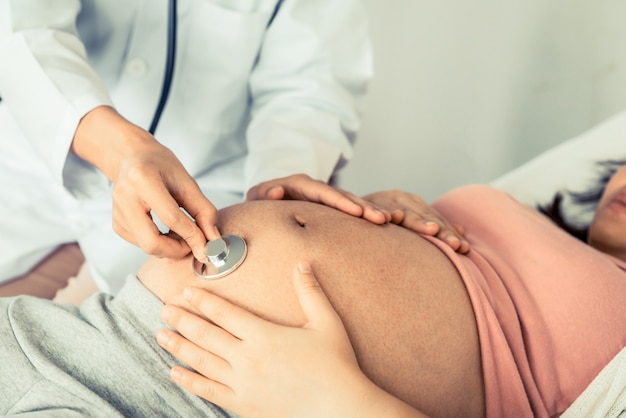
(248, 103)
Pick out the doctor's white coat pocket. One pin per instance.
(216, 59)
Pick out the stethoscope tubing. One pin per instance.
(171, 59)
(169, 65)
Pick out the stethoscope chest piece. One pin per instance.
(224, 256)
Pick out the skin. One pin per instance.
(147, 177)
(607, 231)
(257, 362)
(318, 338)
(437, 373)
(303, 187)
(410, 211)
(400, 208)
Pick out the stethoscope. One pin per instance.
(172, 18)
(169, 64)
(224, 254)
(227, 253)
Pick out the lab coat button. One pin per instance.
(137, 67)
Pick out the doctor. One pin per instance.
(262, 89)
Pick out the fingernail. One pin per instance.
(166, 312)
(429, 223)
(163, 338)
(187, 293)
(304, 267)
(175, 375)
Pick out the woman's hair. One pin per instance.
(592, 196)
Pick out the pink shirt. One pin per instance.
(550, 310)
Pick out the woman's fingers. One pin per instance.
(250, 365)
(211, 390)
(412, 212)
(314, 302)
(201, 359)
(201, 332)
(230, 317)
(303, 187)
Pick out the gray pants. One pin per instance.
(99, 360)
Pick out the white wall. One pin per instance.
(466, 90)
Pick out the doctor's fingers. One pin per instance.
(133, 222)
(168, 209)
(195, 203)
(145, 234)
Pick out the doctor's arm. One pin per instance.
(47, 84)
(61, 104)
(314, 65)
(256, 368)
(147, 177)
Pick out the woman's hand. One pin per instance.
(256, 368)
(303, 187)
(412, 212)
(147, 177)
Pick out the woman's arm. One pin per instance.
(257, 368)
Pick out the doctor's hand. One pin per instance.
(411, 212)
(256, 368)
(147, 177)
(303, 187)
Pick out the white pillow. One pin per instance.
(570, 166)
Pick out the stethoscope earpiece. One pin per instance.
(224, 255)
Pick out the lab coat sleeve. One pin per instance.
(45, 78)
(313, 67)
